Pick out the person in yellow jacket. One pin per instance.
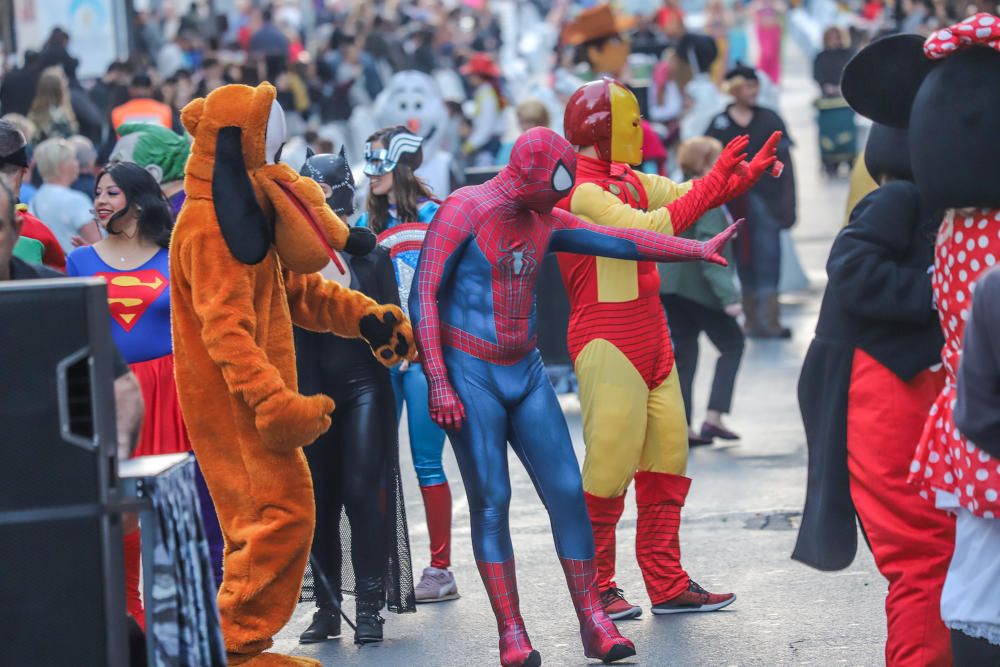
(633, 414)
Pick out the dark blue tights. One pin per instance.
(516, 404)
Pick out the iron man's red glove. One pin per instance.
(712, 189)
(743, 178)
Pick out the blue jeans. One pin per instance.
(761, 274)
(426, 437)
(516, 404)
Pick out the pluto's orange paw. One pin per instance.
(289, 420)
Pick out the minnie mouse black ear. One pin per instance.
(881, 81)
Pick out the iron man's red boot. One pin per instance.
(601, 638)
(501, 586)
(604, 516)
(660, 498)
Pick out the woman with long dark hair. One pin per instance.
(132, 258)
(399, 209)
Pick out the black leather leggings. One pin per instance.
(350, 471)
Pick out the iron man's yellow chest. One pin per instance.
(620, 280)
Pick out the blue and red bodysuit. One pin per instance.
(474, 314)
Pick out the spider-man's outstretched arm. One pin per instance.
(450, 229)
(571, 234)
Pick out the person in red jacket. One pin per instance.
(33, 228)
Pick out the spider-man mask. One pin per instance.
(542, 169)
(605, 114)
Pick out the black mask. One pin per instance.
(336, 173)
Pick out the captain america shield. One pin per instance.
(403, 243)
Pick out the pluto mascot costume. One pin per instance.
(243, 258)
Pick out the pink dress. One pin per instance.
(769, 38)
(967, 245)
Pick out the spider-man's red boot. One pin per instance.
(600, 636)
(501, 586)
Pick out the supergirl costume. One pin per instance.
(139, 301)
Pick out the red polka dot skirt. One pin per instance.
(967, 245)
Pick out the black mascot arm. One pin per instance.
(866, 265)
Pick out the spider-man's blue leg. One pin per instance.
(481, 450)
(541, 440)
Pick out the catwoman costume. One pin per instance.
(361, 544)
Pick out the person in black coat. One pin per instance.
(869, 380)
(768, 207)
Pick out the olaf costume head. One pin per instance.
(413, 99)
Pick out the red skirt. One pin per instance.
(163, 430)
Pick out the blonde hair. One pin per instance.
(52, 154)
(697, 155)
(532, 113)
(52, 94)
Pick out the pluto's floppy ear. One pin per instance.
(191, 114)
(244, 226)
(881, 81)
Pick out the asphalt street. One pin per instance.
(739, 525)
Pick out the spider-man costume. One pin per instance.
(474, 311)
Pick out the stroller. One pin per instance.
(838, 133)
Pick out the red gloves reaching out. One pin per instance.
(746, 174)
(729, 178)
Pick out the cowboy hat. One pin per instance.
(596, 23)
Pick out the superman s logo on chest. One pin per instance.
(131, 293)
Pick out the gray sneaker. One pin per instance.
(436, 586)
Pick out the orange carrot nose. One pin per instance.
(413, 125)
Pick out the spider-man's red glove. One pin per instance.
(445, 406)
(706, 192)
(744, 177)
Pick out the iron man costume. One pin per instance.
(633, 412)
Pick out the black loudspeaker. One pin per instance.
(62, 598)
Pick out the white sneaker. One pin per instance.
(436, 586)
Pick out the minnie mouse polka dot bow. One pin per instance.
(979, 30)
